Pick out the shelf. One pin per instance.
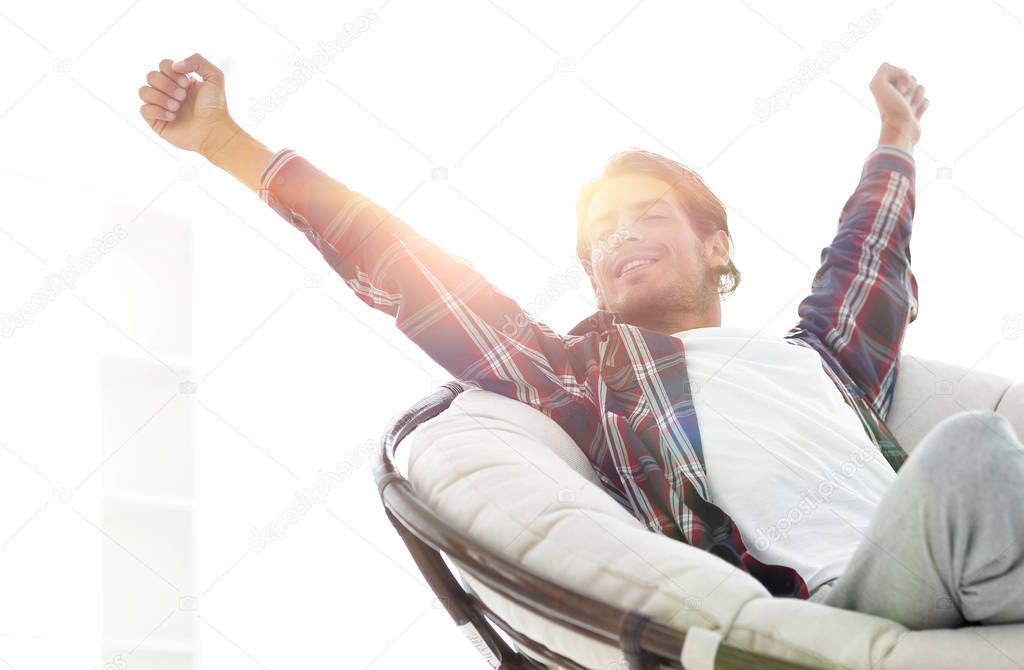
(45, 346)
(174, 360)
(146, 501)
(170, 645)
(167, 645)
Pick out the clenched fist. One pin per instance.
(901, 103)
(186, 112)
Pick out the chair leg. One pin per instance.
(459, 605)
(630, 630)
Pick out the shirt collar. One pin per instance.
(598, 321)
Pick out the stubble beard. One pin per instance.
(676, 297)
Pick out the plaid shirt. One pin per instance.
(622, 392)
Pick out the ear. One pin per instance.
(718, 249)
(597, 293)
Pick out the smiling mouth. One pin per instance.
(636, 266)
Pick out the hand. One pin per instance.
(901, 103)
(182, 110)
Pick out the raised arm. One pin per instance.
(473, 330)
(864, 294)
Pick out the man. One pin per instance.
(787, 424)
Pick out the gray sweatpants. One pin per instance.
(945, 548)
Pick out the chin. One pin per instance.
(637, 308)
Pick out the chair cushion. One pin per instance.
(1011, 405)
(491, 477)
(928, 391)
(510, 477)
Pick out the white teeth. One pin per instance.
(633, 264)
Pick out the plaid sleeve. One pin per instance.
(470, 328)
(864, 294)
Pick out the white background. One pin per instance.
(128, 505)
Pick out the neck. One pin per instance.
(674, 322)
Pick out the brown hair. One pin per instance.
(704, 209)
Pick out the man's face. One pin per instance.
(673, 276)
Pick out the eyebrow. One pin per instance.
(632, 207)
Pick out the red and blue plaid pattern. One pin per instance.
(622, 392)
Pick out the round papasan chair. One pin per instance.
(540, 568)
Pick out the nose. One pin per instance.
(626, 232)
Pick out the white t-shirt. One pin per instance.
(787, 459)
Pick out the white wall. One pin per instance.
(294, 376)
